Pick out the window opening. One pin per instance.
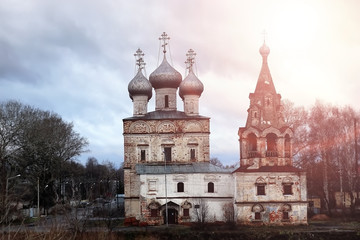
(287, 189)
(166, 101)
(257, 216)
(260, 189)
(154, 212)
(252, 153)
(210, 187)
(180, 187)
(287, 145)
(167, 152)
(285, 215)
(142, 153)
(192, 154)
(271, 149)
(186, 212)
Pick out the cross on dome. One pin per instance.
(190, 60)
(139, 59)
(264, 33)
(164, 38)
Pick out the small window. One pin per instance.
(180, 187)
(186, 212)
(285, 216)
(167, 152)
(257, 216)
(210, 187)
(287, 189)
(260, 189)
(154, 212)
(142, 153)
(166, 101)
(192, 154)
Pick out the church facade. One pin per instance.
(168, 176)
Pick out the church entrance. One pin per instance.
(172, 216)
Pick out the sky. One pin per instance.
(76, 58)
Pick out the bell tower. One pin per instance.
(266, 139)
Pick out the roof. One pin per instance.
(161, 115)
(180, 168)
(270, 169)
(265, 83)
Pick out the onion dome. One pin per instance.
(191, 86)
(165, 76)
(264, 50)
(139, 85)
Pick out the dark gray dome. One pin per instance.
(139, 85)
(165, 76)
(191, 86)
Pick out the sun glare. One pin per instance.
(293, 23)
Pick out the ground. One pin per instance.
(103, 228)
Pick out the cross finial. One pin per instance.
(190, 60)
(264, 33)
(164, 38)
(139, 59)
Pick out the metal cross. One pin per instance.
(139, 59)
(164, 38)
(264, 33)
(190, 60)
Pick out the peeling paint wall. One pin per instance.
(274, 202)
(153, 135)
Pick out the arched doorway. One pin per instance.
(172, 216)
(172, 212)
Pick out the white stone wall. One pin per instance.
(140, 104)
(191, 105)
(160, 99)
(195, 191)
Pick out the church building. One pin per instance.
(168, 176)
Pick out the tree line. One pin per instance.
(38, 151)
(325, 146)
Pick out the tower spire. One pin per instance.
(265, 83)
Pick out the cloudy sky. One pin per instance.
(75, 58)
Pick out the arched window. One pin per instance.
(287, 145)
(252, 145)
(287, 186)
(252, 142)
(260, 186)
(271, 149)
(180, 187)
(286, 208)
(257, 209)
(210, 187)
(154, 209)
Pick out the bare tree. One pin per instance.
(36, 144)
(201, 212)
(229, 213)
